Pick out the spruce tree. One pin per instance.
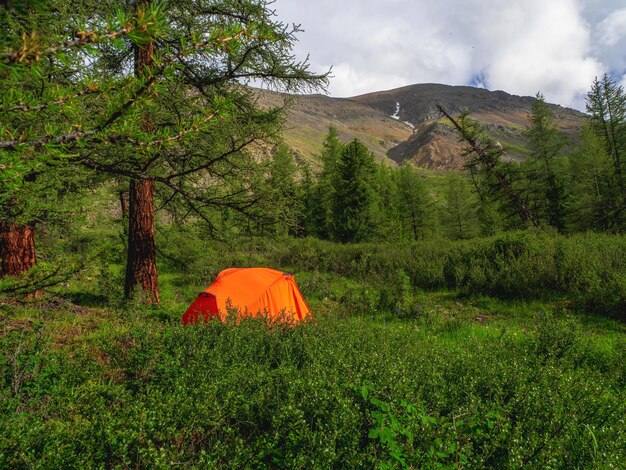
(606, 105)
(415, 205)
(354, 195)
(325, 191)
(546, 190)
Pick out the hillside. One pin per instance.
(403, 124)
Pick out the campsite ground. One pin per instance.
(388, 374)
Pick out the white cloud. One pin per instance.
(553, 46)
(613, 28)
(350, 81)
(539, 47)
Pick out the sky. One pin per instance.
(556, 47)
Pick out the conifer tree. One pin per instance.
(546, 189)
(498, 179)
(414, 203)
(322, 213)
(606, 105)
(182, 121)
(354, 195)
(459, 212)
(36, 86)
(308, 201)
(282, 191)
(593, 189)
(385, 214)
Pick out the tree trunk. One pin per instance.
(17, 250)
(491, 168)
(141, 270)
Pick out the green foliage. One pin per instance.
(387, 375)
(323, 222)
(145, 91)
(606, 104)
(354, 193)
(545, 185)
(460, 211)
(592, 204)
(587, 270)
(282, 193)
(408, 436)
(492, 176)
(127, 389)
(414, 203)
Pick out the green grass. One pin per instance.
(382, 378)
(98, 387)
(420, 355)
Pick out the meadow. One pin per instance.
(503, 352)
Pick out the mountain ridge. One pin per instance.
(403, 125)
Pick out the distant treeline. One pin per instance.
(562, 186)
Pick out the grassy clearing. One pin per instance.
(409, 363)
(85, 387)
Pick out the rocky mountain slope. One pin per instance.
(404, 125)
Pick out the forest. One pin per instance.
(470, 319)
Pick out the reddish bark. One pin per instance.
(141, 270)
(17, 250)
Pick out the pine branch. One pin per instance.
(226, 201)
(91, 135)
(490, 164)
(25, 107)
(30, 51)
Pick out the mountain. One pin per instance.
(404, 125)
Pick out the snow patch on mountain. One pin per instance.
(396, 116)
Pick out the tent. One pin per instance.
(253, 291)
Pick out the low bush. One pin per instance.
(587, 269)
(355, 392)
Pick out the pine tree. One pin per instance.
(606, 104)
(323, 219)
(545, 184)
(459, 213)
(414, 203)
(354, 195)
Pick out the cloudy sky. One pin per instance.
(519, 46)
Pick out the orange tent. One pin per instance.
(253, 291)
